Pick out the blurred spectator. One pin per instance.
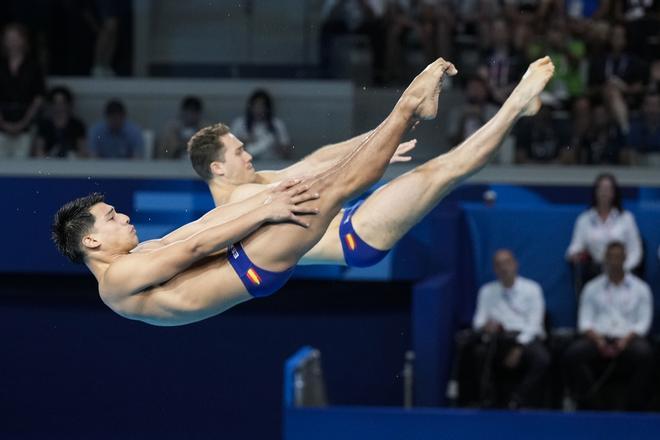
(568, 55)
(509, 325)
(615, 314)
(533, 12)
(436, 21)
(641, 21)
(350, 17)
(476, 111)
(264, 135)
(653, 82)
(22, 87)
(60, 133)
(397, 25)
(543, 139)
(603, 141)
(582, 9)
(116, 137)
(618, 76)
(177, 133)
(109, 14)
(503, 66)
(604, 222)
(644, 137)
(581, 114)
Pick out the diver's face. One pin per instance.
(112, 230)
(237, 165)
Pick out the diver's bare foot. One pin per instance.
(526, 94)
(424, 90)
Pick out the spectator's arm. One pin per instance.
(534, 322)
(137, 143)
(481, 315)
(578, 240)
(644, 313)
(587, 310)
(94, 140)
(633, 243)
(39, 147)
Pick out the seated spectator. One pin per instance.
(465, 120)
(346, 17)
(617, 76)
(641, 21)
(603, 141)
(604, 222)
(503, 66)
(568, 55)
(615, 314)
(643, 142)
(179, 131)
(21, 93)
(116, 137)
(264, 135)
(509, 325)
(542, 139)
(653, 82)
(60, 133)
(581, 116)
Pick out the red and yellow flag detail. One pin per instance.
(254, 276)
(350, 241)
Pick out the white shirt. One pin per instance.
(262, 143)
(520, 308)
(616, 310)
(593, 234)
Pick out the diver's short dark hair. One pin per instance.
(71, 222)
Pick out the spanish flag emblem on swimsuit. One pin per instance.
(254, 276)
(350, 241)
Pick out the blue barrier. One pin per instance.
(361, 423)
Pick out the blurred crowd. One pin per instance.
(602, 107)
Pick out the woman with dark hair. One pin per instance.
(604, 222)
(60, 134)
(264, 135)
(21, 91)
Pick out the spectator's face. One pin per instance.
(615, 256)
(14, 41)
(191, 117)
(605, 192)
(505, 266)
(258, 109)
(60, 105)
(618, 38)
(115, 121)
(237, 165)
(652, 107)
(500, 33)
(476, 92)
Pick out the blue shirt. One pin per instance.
(125, 143)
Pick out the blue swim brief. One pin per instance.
(357, 252)
(259, 282)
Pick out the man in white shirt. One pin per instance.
(509, 318)
(616, 309)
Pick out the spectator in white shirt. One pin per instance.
(616, 309)
(509, 317)
(264, 135)
(604, 222)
